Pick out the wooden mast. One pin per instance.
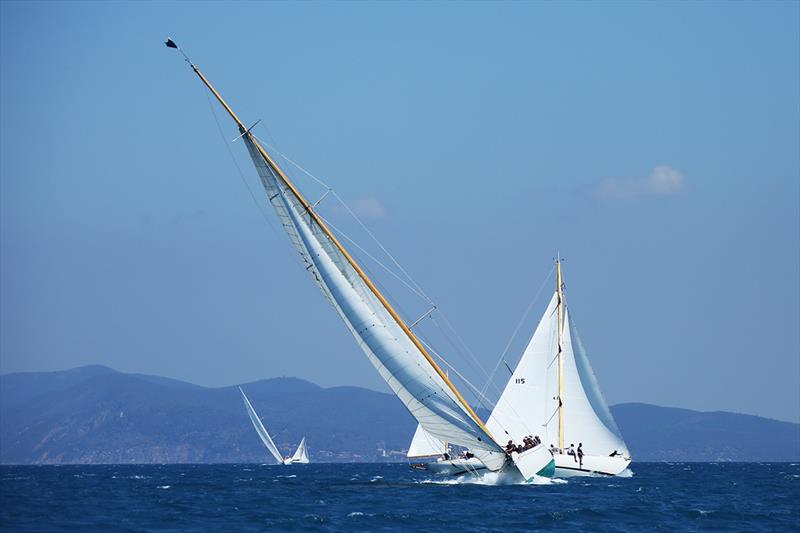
(560, 290)
(309, 208)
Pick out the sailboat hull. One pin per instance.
(534, 462)
(568, 466)
(454, 467)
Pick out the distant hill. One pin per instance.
(97, 415)
(670, 434)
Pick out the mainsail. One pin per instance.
(532, 399)
(301, 454)
(423, 444)
(384, 337)
(260, 429)
(589, 419)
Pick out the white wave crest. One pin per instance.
(493, 479)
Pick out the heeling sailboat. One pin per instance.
(261, 430)
(388, 342)
(553, 390)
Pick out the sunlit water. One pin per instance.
(368, 497)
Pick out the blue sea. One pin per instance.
(393, 497)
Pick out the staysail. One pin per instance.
(260, 429)
(301, 454)
(384, 337)
(423, 444)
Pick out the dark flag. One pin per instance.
(170, 43)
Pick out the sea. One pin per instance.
(393, 497)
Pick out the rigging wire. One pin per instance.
(418, 289)
(238, 168)
(460, 345)
(381, 264)
(516, 330)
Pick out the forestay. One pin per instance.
(388, 347)
(529, 400)
(260, 429)
(424, 444)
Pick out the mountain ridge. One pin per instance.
(95, 414)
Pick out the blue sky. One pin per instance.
(655, 145)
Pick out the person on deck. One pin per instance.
(554, 450)
(510, 447)
(614, 453)
(571, 451)
(580, 455)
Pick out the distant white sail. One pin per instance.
(423, 444)
(412, 377)
(261, 430)
(300, 455)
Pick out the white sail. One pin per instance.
(261, 430)
(389, 348)
(588, 419)
(528, 404)
(424, 444)
(301, 454)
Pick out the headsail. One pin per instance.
(261, 430)
(388, 342)
(529, 404)
(424, 444)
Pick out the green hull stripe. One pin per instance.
(549, 470)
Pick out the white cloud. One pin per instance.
(662, 181)
(367, 207)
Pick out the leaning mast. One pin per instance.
(318, 220)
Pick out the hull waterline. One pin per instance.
(592, 465)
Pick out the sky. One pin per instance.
(655, 146)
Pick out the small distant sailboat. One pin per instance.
(431, 454)
(386, 339)
(553, 392)
(299, 457)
